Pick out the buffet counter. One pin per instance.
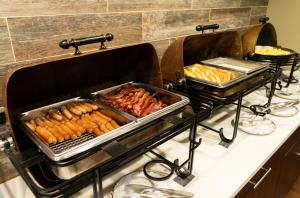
(218, 171)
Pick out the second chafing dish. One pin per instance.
(243, 70)
(68, 148)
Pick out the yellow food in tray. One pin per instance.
(272, 51)
(210, 74)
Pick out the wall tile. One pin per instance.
(37, 37)
(6, 54)
(215, 3)
(230, 23)
(255, 19)
(143, 5)
(161, 46)
(258, 11)
(166, 24)
(229, 18)
(47, 7)
(226, 13)
(254, 2)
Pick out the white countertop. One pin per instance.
(219, 171)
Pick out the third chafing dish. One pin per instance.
(272, 51)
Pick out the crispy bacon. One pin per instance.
(134, 100)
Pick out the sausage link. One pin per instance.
(65, 134)
(93, 106)
(115, 116)
(73, 110)
(66, 112)
(56, 134)
(55, 114)
(31, 126)
(114, 124)
(79, 107)
(46, 135)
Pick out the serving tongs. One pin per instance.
(142, 191)
(279, 106)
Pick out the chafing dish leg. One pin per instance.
(226, 142)
(183, 170)
(291, 78)
(97, 185)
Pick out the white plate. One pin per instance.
(290, 93)
(256, 125)
(285, 112)
(138, 177)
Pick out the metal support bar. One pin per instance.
(291, 77)
(184, 174)
(97, 185)
(226, 142)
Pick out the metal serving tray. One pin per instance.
(69, 148)
(235, 64)
(291, 52)
(242, 76)
(181, 101)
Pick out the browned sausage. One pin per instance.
(56, 134)
(114, 115)
(80, 128)
(100, 119)
(69, 131)
(114, 124)
(39, 122)
(93, 106)
(89, 121)
(73, 128)
(97, 131)
(65, 134)
(53, 120)
(104, 128)
(46, 135)
(109, 126)
(73, 110)
(87, 107)
(47, 122)
(66, 112)
(79, 107)
(103, 116)
(31, 126)
(85, 125)
(55, 114)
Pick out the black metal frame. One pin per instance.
(278, 62)
(204, 97)
(25, 160)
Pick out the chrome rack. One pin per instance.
(204, 97)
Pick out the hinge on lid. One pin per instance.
(168, 86)
(6, 143)
(180, 80)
